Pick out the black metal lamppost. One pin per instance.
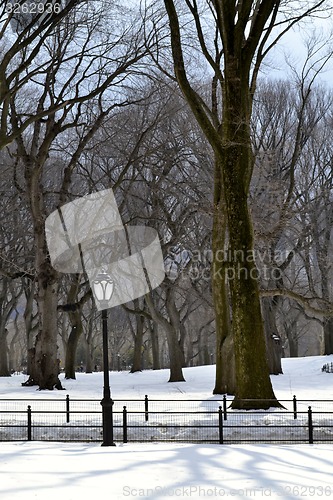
(103, 289)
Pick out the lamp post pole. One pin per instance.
(107, 403)
(103, 289)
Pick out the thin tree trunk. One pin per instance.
(8, 300)
(273, 341)
(176, 356)
(293, 345)
(153, 328)
(175, 339)
(89, 347)
(28, 323)
(72, 343)
(328, 335)
(325, 288)
(4, 367)
(14, 362)
(75, 319)
(138, 337)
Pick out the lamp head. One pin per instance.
(103, 288)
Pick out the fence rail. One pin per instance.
(152, 420)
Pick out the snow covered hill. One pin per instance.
(301, 377)
(74, 471)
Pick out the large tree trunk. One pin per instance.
(46, 363)
(225, 359)
(231, 142)
(46, 360)
(253, 384)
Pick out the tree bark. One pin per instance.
(15, 355)
(8, 300)
(273, 341)
(225, 359)
(46, 369)
(46, 364)
(72, 343)
(4, 366)
(253, 384)
(328, 335)
(29, 290)
(153, 328)
(176, 355)
(75, 319)
(137, 356)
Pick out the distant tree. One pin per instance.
(9, 293)
(291, 201)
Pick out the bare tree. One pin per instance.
(24, 29)
(242, 34)
(88, 84)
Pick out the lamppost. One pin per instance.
(103, 289)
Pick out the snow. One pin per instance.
(71, 471)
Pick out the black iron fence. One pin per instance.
(152, 420)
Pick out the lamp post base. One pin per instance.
(107, 416)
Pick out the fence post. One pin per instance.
(220, 425)
(67, 408)
(310, 424)
(295, 407)
(146, 408)
(224, 407)
(29, 422)
(124, 425)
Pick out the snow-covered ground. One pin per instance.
(71, 471)
(301, 376)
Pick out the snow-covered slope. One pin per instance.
(74, 471)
